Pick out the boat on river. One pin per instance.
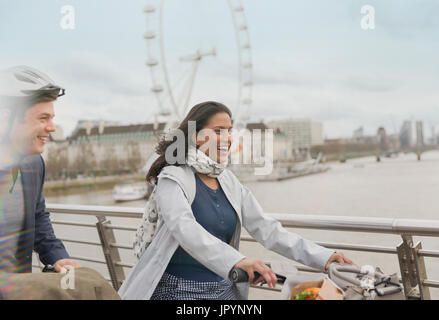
(130, 190)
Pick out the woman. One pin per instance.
(202, 207)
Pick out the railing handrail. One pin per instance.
(410, 255)
(415, 227)
(90, 210)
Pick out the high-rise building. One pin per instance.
(316, 133)
(405, 135)
(358, 134)
(419, 133)
(382, 138)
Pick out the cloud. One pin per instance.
(101, 72)
(310, 60)
(370, 84)
(101, 87)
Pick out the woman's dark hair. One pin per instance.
(201, 114)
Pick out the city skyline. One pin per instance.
(310, 60)
(357, 135)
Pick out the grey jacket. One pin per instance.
(176, 189)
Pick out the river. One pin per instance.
(399, 187)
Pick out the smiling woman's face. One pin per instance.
(216, 138)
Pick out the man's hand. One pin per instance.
(337, 257)
(64, 264)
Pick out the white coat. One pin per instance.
(176, 189)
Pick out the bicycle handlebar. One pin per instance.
(238, 275)
(48, 268)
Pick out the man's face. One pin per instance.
(31, 133)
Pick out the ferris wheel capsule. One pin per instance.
(149, 35)
(247, 84)
(149, 9)
(157, 89)
(152, 62)
(246, 101)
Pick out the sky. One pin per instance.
(311, 59)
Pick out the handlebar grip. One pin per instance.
(388, 290)
(48, 268)
(238, 275)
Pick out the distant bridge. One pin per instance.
(418, 150)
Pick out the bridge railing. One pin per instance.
(410, 255)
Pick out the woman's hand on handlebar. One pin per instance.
(253, 265)
(338, 257)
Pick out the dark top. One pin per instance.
(11, 219)
(214, 213)
(37, 233)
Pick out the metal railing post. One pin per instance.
(111, 253)
(413, 272)
(421, 272)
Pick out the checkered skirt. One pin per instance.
(174, 288)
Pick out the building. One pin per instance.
(58, 135)
(382, 139)
(113, 148)
(316, 133)
(89, 124)
(358, 135)
(94, 148)
(281, 148)
(405, 135)
(419, 133)
(434, 137)
(303, 134)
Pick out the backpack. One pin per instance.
(150, 219)
(147, 227)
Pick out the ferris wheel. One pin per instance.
(174, 108)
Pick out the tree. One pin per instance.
(110, 162)
(134, 159)
(85, 161)
(56, 162)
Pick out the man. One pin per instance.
(26, 114)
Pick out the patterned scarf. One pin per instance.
(203, 164)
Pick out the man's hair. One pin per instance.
(43, 97)
(21, 105)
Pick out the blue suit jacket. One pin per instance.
(38, 233)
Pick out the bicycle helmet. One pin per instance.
(20, 88)
(27, 82)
